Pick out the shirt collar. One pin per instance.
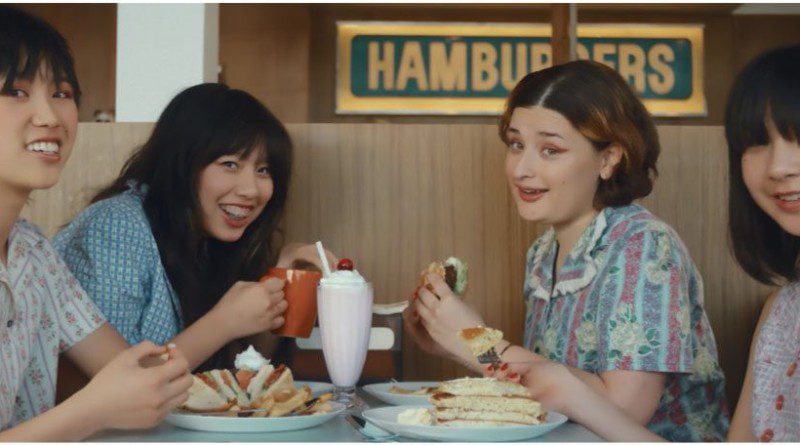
(22, 241)
(580, 266)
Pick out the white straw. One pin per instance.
(326, 268)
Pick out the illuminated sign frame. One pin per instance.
(348, 102)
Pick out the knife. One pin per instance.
(370, 431)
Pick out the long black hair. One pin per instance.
(27, 41)
(201, 124)
(769, 85)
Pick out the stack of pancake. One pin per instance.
(485, 402)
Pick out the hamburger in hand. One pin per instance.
(452, 270)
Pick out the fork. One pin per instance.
(490, 356)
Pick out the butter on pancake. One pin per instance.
(480, 339)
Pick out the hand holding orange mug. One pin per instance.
(300, 292)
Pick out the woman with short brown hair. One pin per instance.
(614, 301)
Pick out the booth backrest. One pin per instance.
(394, 197)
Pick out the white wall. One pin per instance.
(162, 49)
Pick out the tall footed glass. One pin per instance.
(344, 308)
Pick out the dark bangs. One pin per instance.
(27, 42)
(770, 84)
(241, 125)
(768, 87)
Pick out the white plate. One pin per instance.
(386, 418)
(251, 424)
(381, 391)
(258, 424)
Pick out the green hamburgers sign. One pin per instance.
(447, 68)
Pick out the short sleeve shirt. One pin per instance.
(776, 379)
(629, 297)
(111, 250)
(43, 312)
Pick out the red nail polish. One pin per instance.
(504, 367)
(513, 375)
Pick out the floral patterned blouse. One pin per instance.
(43, 312)
(776, 380)
(628, 297)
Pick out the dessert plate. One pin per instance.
(383, 391)
(386, 418)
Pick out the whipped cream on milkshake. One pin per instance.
(343, 278)
(344, 308)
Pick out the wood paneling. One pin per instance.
(264, 50)
(394, 197)
(91, 32)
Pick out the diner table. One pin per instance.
(336, 430)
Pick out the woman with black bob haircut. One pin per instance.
(173, 249)
(766, 92)
(762, 125)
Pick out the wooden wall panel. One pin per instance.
(394, 197)
(91, 31)
(264, 50)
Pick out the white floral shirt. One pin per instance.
(43, 312)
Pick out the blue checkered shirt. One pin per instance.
(110, 249)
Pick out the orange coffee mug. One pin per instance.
(300, 292)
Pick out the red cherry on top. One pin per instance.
(344, 264)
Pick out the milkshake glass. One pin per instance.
(344, 309)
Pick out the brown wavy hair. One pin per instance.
(598, 102)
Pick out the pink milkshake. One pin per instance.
(344, 308)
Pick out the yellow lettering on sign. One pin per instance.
(631, 64)
(658, 55)
(583, 52)
(451, 74)
(378, 65)
(541, 56)
(484, 57)
(601, 50)
(412, 66)
(508, 77)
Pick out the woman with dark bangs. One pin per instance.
(762, 125)
(173, 249)
(614, 301)
(44, 312)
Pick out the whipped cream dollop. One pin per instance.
(343, 277)
(415, 416)
(250, 360)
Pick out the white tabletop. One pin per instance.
(336, 430)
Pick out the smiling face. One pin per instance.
(553, 170)
(38, 121)
(233, 191)
(771, 173)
